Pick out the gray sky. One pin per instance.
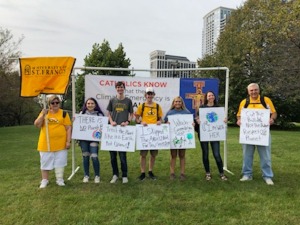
(71, 27)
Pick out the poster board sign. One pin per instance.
(88, 127)
(118, 138)
(153, 137)
(212, 126)
(255, 126)
(182, 132)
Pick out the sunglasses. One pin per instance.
(54, 103)
(150, 93)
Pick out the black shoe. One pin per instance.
(151, 175)
(142, 176)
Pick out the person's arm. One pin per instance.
(41, 118)
(273, 117)
(69, 135)
(113, 123)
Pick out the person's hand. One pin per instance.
(238, 122)
(158, 122)
(144, 124)
(45, 111)
(68, 145)
(114, 123)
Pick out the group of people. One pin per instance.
(55, 137)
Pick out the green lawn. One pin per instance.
(194, 201)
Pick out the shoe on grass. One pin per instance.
(151, 175)
(269, 181)
(246, 178)
(142, 177)
(172, 176)
(97, 180)
(60, 182)
(85, 179)
(114, 179)
(124, 180)
(44, 183)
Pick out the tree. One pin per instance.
(14, 110)
(261, 44)
(101, 56)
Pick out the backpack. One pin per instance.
(262, 101)
(157, 107)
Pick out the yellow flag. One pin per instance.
(45, 75)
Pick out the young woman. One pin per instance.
(177, 107)
(210, 101)
(90, 149)
(56, 125)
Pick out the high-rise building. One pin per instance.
(213, 24)
(159, 60)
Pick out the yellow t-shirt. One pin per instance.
(56, 130)
(150, 113)
(256, 104)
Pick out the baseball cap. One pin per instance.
(149, 89)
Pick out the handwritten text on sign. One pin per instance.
(212, 125)
(182, 131)
(255, 127)
(118, 138)
(153, 137)
(88, 127)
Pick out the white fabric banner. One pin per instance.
(102, 88)
(118, 138)
(152, 137)
(212, 126)
(255, 126)
(88, 127)
(182, 132)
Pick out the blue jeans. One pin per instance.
(90, 150)
(215, 146)
(265, 159)
(114, 163)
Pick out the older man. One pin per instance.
(255, 101)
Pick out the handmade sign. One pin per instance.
(255, 126)
(88, 127)
(118, 138)
(153, 137)
(182, 131)
(212, 126)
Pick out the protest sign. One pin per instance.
(255, 126)
(88, 127)
(118, 138)
(153, 137)
(182, 131)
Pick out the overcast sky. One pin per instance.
(71, 27)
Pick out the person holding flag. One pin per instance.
(54, 140)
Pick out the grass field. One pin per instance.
(193, 201)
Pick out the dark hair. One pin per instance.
(120, 83)
(97, 108)
(206, 101)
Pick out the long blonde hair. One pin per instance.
(178, 98)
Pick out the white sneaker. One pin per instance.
(124, 180)
(60, 182)
(114, 179)
(97, 179)
(85, 179)
(44, 183)
(246, 178)
(269, 181)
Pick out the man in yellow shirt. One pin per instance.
(264, 152)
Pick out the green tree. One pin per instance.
(14, 110)
(261, 44)
(101, 56)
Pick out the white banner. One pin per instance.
(212, 126)
(88, 127)
(102, 88)
(182, 132)
(118, 138)
(255, 126)
(153, 137)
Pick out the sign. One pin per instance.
(182, 132)
(212, 126)
(153, 137)
(88, 127)
(255, 126)
(118, 138)
(45, 75)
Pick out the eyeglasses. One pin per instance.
(54, 103)
(150, 93)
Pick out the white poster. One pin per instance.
(118, 138)
(182, 132)
(212, 126)
(255, 126)
(102, 88)
(153, 137)
(88, 127)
